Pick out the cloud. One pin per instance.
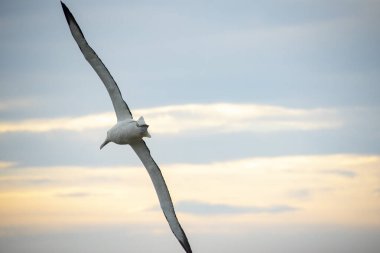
(219, 117)
(201, 208)
(8, 105)
(301, 194)
(242, 189)
(74, 195)
(340, 172)
(5, 165)
(66, 123)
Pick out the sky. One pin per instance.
(264, 118)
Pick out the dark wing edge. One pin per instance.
(121, 108)
(162, 191)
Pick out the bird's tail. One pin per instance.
(141, 122)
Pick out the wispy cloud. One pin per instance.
(176, 119)
(67, 123)
(253, 186)
(4, 164)
(301, 194)
(201, 208)
(341, 172)
(73, 195)
(16, 103)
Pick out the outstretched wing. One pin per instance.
(121, 108)
(162, 191)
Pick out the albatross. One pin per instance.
(129, 131)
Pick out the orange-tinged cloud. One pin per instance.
(4, 165)
(176, 119)
(319, 188)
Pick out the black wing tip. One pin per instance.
(66, 11)
(70, 17)
(186, 246)
(185, 243)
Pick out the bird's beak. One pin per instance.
(104, 143)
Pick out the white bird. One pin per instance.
(129, 131)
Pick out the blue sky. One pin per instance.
(264, 117)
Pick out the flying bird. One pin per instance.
(129, 131)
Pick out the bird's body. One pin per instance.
(129, 131)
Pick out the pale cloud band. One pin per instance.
(201, 208)
(218, 117)
(4, 165)
(284, 189)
